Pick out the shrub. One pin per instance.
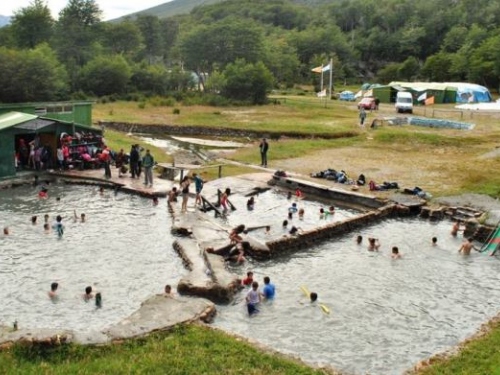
(176, 111)
(141, 105)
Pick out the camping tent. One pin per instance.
(448, 92)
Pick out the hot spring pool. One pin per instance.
(271, 208)
(124, 250)
(386, 315)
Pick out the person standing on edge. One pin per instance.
(362, 116)
(134, 160)
(106, 159)
(264, 146)
(198, 184)
(148, 162)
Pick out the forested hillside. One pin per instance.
(240, 46)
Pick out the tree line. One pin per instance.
(240, 49)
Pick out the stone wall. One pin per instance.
(312, 237)
(339, 195)
(193, 130)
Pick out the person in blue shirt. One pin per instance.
(269, 289)
(198, 184)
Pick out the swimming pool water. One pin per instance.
(123, 250)
(386, 314)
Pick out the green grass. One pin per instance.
(185, 350)
(478, 357)
(290, 148)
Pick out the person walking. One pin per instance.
(362, 116)
(148, 162)
(264, 147)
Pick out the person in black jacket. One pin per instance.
(134, 161)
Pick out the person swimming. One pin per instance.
(46, 218)
(294, 231)
(250, 204)
(434, 241)
(33, 219)
(359, 240)
(301, 214)
(313, 297)
(290, 215)
(235, 234)
(46, 228)
(293, 208)
(299, 194)
(373, 244)
(395, 253)
(58, 226)
(455, 228)
(6, 231)
(322, 214)
(289, 195)
(53, 291)
(88, 295)
(155, 201)
(268, 229)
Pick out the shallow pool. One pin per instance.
(386, 315)
(123, 250)
(272, 207)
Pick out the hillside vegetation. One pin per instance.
(236, 51)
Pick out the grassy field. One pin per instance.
(441, 161)
(186, 350)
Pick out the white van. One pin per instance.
(404, 102)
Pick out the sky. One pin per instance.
(110, 8)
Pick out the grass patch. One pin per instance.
(290, 148)
(418, 137)
(185, 350)
(480, 356)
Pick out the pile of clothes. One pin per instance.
(384, 186)
(340, 177)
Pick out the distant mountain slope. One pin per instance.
(175, 7)
(4, 20)
(171, 8)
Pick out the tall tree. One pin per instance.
(32, 25)
(151, 36)
(210, 47)
(76, 31)
(40, 77)
(105, 75)
(121, 38)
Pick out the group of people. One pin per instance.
(254, 296)
(87, 296)
(465, 249)
(184, 191)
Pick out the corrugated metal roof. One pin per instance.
(35, 124)
(10, 119)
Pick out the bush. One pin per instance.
(176, 111)
(141, 105)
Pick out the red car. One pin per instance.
(367, 103)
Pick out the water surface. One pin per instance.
(123, 250)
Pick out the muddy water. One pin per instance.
(385, 314)
(124, 250)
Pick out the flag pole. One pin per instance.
(321, 84)
(331, 82)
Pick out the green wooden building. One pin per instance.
(41, 122)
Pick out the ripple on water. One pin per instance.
(386, 315)
(124, 250)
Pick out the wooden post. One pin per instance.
(220, 171)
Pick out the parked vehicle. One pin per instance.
(367, 103)
(347, 96)
(404, 102)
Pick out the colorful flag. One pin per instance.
(422, 97)
(318, 69)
